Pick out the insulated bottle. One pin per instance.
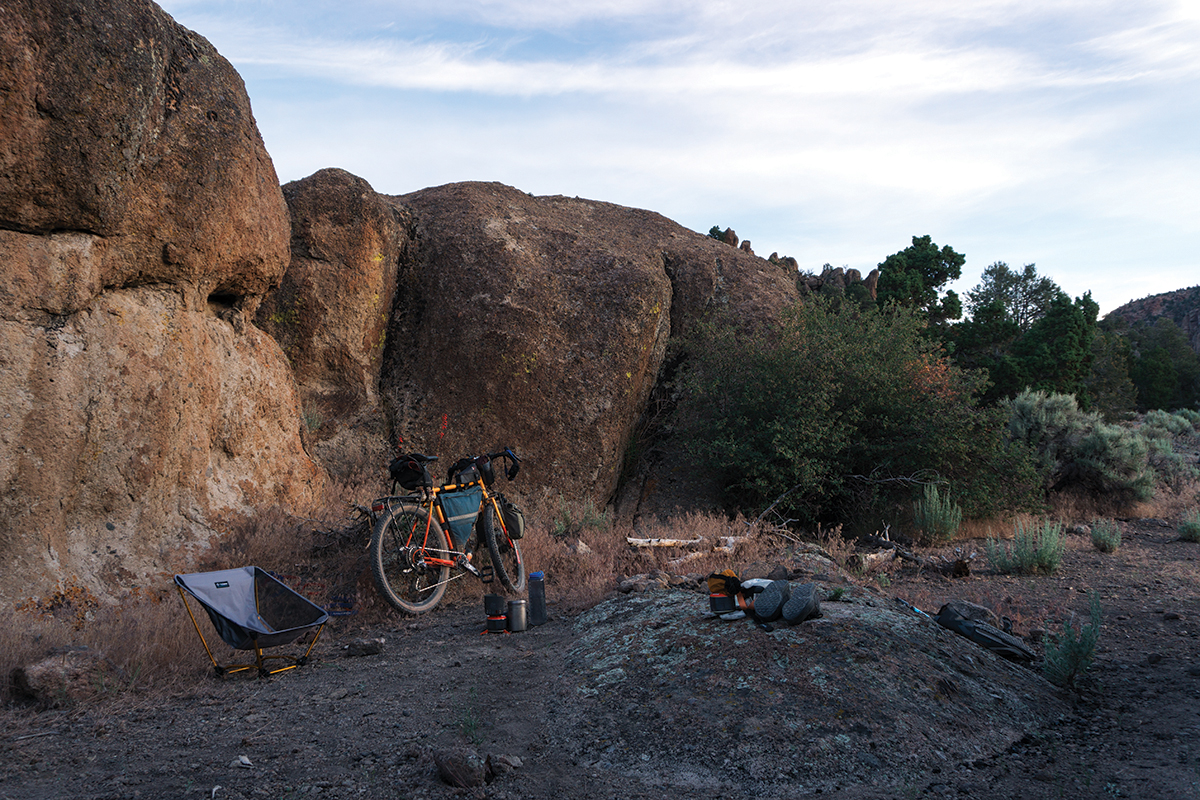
(537, 598)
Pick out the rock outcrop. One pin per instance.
(543, 322)
(540, 323)
(1181, 306)
(330, 313)
(140, 222)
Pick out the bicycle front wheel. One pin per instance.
(399, 553)
(504, 551)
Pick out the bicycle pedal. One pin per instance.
(486, 575)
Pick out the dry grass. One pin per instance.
(147, 638)
(1167, 504)
(147, 641)
(151, 644)
(579, 577)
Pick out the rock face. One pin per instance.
(540, 323)
(1182, 306)
(140, 223)
(543, 323)
(330, 314)
(864, 690)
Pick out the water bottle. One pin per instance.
(537, 598)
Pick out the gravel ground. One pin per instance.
(643, 696)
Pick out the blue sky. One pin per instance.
(1065, 134)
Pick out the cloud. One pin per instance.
(1057, 132)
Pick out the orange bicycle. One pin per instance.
(419, 539)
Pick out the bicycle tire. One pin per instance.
(408, 586)
(505, 553)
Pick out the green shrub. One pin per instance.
(1078, 450)
(1173, 469)
(936, 517)
(1070, 656)
(572, 521)
(1189, 528)
(1164, 423)
(1191, 416)
(1106, 535)
(1034, 549)
(838, 409)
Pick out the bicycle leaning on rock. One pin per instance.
(430, 536)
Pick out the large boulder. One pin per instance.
(540, 323)
(140, 222)
(543, 323)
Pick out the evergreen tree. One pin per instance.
(1055, 355)
(1165, 369)
(1025, 296)
(1109, 384)
(914, 278)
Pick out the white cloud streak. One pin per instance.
(836, 131)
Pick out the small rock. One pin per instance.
(1081, 530)
(1154, 658)
(498, 765)
(973, 612)
(241, 761)
(364, 647)
(461, 767)
(1172, 615)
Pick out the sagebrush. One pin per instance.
(1078, 450)
(1189, 527)
(1106, 535)
(1035, 549)
(936, 516)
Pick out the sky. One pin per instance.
(1063, 134)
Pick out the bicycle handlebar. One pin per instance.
(508, 451)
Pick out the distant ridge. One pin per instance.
(1182, 306)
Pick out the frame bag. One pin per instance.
(460, 509)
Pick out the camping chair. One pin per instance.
(251, 609)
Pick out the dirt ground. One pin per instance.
(369, 726)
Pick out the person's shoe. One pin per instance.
(768, 605)
(802, 604)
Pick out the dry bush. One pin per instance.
(833, 542)
(579, 577)
(1167, 504)
(991, 528)
(145, 638)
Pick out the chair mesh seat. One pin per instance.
(251, 609)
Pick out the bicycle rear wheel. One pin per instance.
(505, 552)
(399, 547)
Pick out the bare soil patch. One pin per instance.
(869, 701)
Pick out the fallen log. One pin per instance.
(866, 561)
(665, 542)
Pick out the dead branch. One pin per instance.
(665, 542)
